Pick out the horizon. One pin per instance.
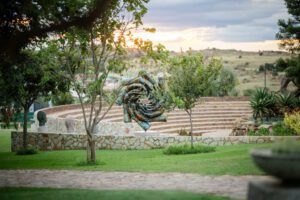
(198, 24)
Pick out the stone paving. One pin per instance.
(231, 186)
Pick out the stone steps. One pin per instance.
(208, 117)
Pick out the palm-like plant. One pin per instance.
(263, 104)
(287, 102)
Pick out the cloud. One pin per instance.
(217, 20)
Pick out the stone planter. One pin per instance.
(283, 166)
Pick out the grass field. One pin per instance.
(232, 160)
(4, 141)
(74, 194)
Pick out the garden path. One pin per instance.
(231, 186)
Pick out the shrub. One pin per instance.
(260, 132)
(62, 98)
(27, 151)
(248, 92)
(263, 104)
(183, 132)
(187, 149)
(282, 130)
(293, 121)
(287, 102)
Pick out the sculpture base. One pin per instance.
(273, 190)
(146, 133)
(42, 129)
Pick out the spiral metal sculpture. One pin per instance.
(140, 101)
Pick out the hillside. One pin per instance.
(244, 64)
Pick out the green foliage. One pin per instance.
(190, 79)
(267, 67)
(62, 98)
(287, 102)
(263, 104)
(34, 20)
(293, 121)
(282, 130)
(281, 65)
(289, 32)
(27, 151)
(248, 92)
(278, 129)
(187, 149)
(225, 83)
(260, 132)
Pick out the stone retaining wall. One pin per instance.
(57, 125)
(53, 141)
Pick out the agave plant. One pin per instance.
(287, 102)
(263, 104)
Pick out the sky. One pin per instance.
(248, 25)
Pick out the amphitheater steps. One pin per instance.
(208, 117)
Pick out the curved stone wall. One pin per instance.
(53, 141)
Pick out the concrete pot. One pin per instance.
(283, 166)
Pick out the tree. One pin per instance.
(289, 34)
(224, 84)
(289, 31)
(89, 56)
(23, 22)
(30, 77)
(189, 80)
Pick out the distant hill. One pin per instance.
(244, 64)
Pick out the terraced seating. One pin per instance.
(209, 116)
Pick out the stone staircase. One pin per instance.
(212, 115)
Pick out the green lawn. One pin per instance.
(64, 194)
(4, 141)
(232, 160)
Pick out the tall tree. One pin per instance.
(189, 80)
(31, 76)
(289, 34)
(88, 57)
(23, 22)
(289, 31)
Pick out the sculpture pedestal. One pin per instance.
(42, 129)
(147, 133)
(273, 190)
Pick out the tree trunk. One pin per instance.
(91, 151)
(26, 109)
(191, 127)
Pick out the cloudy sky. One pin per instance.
(226, 24)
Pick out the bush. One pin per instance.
(293, 121)
(281, 130)
(263, 104)
(260, 132)
(248, 92)
(183, 132)
(187, 149)
(287, 102)
(27, 151)
(62, 99)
